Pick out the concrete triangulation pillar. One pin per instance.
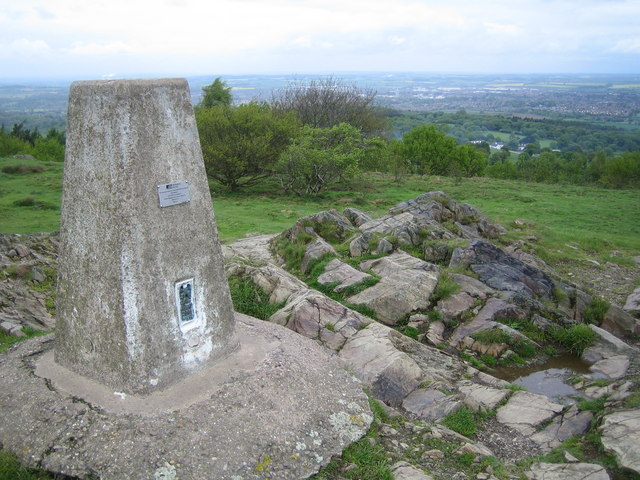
(142, 296)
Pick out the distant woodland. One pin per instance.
(315, 133)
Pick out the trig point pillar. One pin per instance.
(142, 294)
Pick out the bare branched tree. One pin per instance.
(326, 102)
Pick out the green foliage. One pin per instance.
(48, 149)
(574, 339)
(429, 150)
(622, 171)
(595, 405)
(319, 158)
(492, 335)
(432, 152)
(632, 401)
(462, 421)
(250, 299)
(595, 311)
(241, 145)
(445, 287)
(218, 94)
(411, 332)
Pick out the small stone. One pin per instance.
(435, 453)
(570, 458)
(22, 251)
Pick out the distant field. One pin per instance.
(569, 221)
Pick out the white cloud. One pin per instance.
(327, 34)
(24, 46)
(111, 48)
(627, 45)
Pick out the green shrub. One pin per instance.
(445, 288)
(462, 421)
(492, 335)
(574, 339)
(21, 169)
(595, 311)
(411, 332)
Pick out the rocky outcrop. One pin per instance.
(525, 411)
(405, 285)
(567, 471)
(503, 272)
(621, 435)
(341, 273)
(632, 305)
(27, 262)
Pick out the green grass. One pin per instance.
(250, 299)
(10, 469)
(596, 220)
(462, 421)
(7, 340)
(30, 192)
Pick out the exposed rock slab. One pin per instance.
(390, 373)
(406, 285)
(429, 404)
(315, 250)
(256, 247)
(632, 304)
(606, 345)
(405, 471)
(319, 317)
(525, 411)
(612, 367)
(481, 397)
(621, 435)
(620, 322)
(338, 271)
(571, 423)
(503, 272)
(567, 471)
(260, 413)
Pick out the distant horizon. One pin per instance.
(337, 74)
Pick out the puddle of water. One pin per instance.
(550, 378)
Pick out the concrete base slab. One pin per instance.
(278, 407)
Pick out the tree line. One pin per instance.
(21, 140)
(311, 136)
(567, 136)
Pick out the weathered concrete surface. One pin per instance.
(261, 413)
(122, 255)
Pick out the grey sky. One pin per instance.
(96, 38)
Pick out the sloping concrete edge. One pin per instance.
(278, 407)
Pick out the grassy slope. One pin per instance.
(597, 221)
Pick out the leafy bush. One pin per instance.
(319, 158)
(595, 311)
(575, 339)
